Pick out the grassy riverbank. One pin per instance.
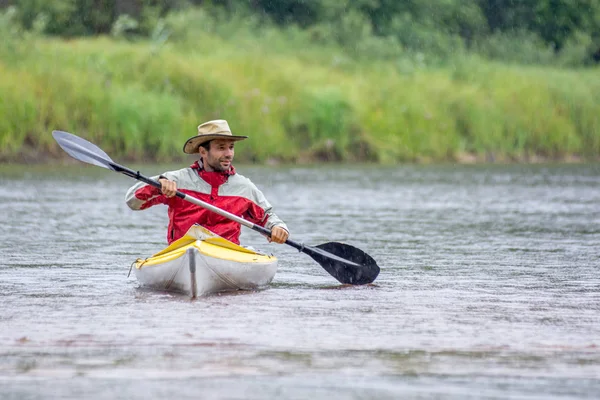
(141, 100)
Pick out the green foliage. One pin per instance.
(323, 123)
(522, 47)
(556, 22)
(550, 32)
(90, 17)
(50, 15)
(577, 50)
(442, 27)
(9, 27)
(297, 102)
(123, 26)
(407, 88)
(18, 110)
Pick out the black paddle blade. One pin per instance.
(345, 263)
(82, 150)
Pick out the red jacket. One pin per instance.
(227, 190)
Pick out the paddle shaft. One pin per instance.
(203, 204)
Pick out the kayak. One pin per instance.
(202, 263)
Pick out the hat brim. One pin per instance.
(192, 144)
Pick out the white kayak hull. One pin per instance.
(202, 263)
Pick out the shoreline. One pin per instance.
(38, 157)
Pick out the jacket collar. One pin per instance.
(213, 178)
(200, 168)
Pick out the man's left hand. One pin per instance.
(278, 235)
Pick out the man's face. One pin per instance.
(220, 155)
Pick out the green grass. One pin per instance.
(297, 101)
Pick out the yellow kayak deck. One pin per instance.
(208, 244)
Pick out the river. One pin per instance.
(489, 288)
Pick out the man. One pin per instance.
(212, 179)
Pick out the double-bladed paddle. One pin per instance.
(345, 263)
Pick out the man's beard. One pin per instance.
(217, 167)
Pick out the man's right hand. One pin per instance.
(167, 187)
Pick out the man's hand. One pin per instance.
(167, 187)
(278, 235)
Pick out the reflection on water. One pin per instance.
(489, 289)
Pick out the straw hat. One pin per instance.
(217, 129)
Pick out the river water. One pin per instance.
(489, 288)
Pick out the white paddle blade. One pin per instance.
(82, 150)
